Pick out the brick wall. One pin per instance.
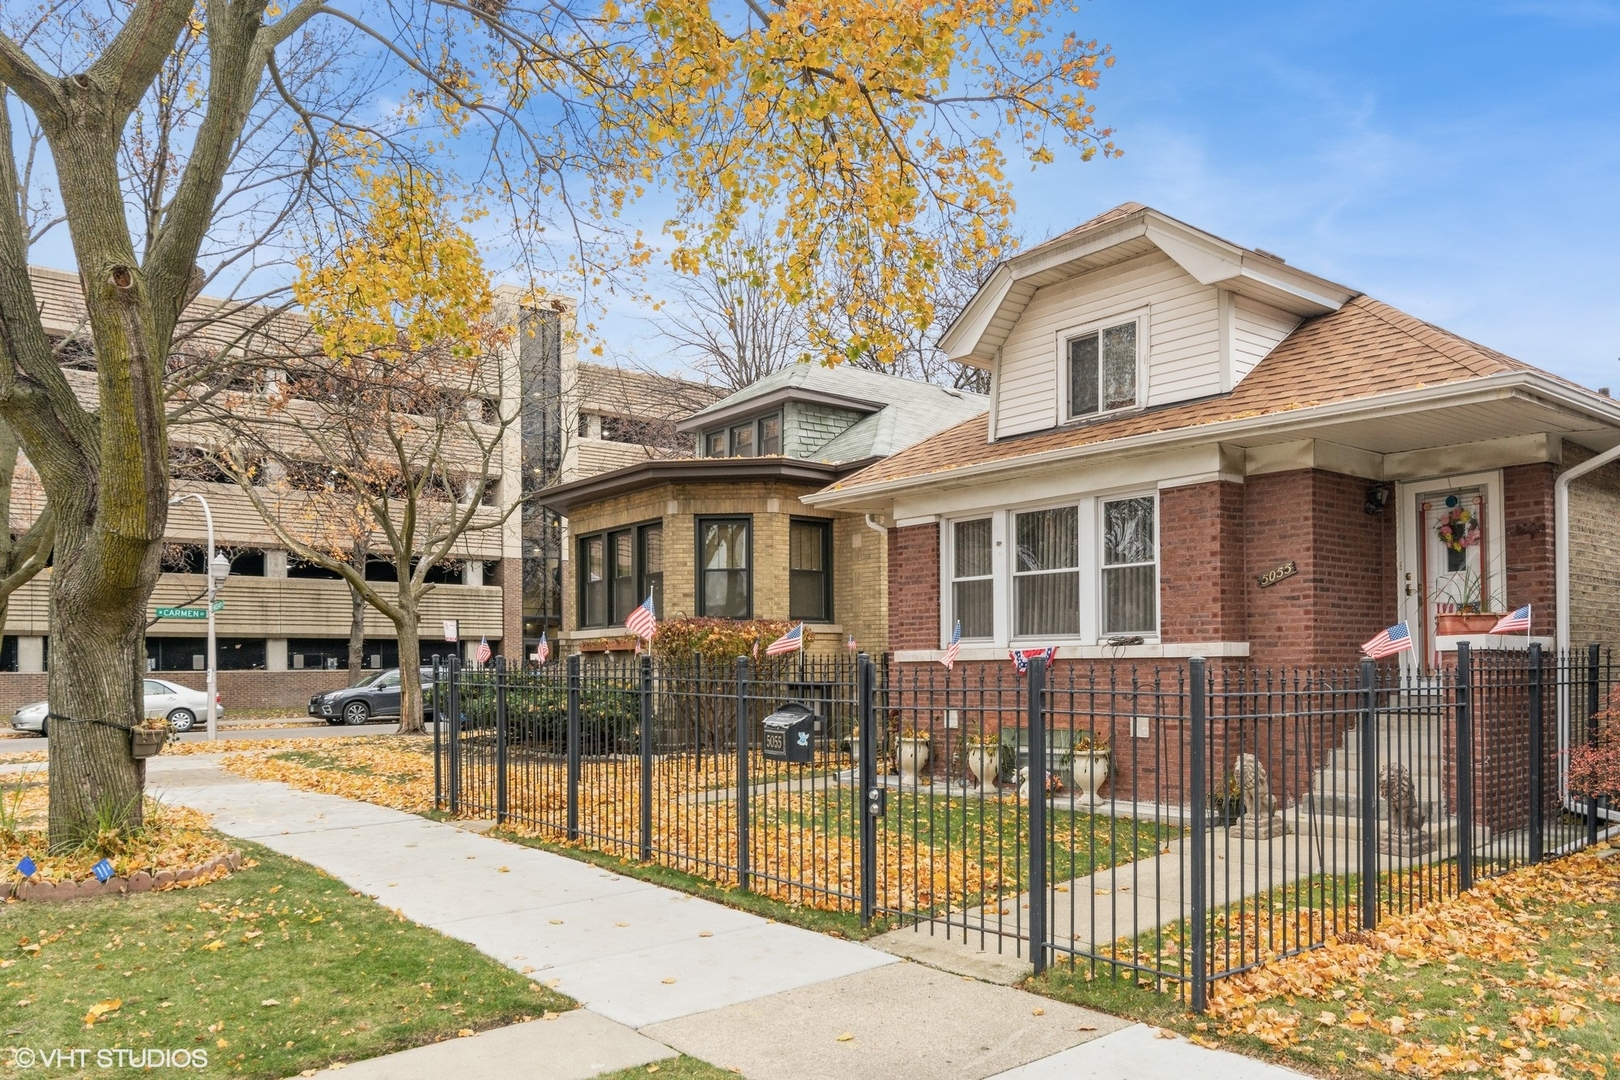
(1344, 592)
(238, 690)
(511, 583)
(1201, 575)
(1527, 520)
(1594, 555)
(914, 587)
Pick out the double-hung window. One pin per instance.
(810, 570)
(725, 561)
(1102, 366)
(650, 541)
(1130, 570)
(593, 581)
(1046, 573)
(972, 584)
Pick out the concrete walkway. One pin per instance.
(659, 972)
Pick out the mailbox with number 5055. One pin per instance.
(790, 734)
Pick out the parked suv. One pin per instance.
(376, 697)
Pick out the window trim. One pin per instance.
(1097, 326)
(639, 542)
(701, 601)
(825, 525)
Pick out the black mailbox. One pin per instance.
(789, 734)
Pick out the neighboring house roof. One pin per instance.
(1364, 350)
(900, 411)
(564, 497)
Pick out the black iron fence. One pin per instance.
(1167, 825)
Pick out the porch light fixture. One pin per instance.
(1378, 497)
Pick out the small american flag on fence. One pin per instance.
(1513, 622)
(1396, 639)
(483, 650)
(542, 651)
(792, 641)
(643, 621)
(1022, 657)
(953, 648)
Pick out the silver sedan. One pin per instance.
(182, 706)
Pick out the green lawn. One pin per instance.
(277, 969)
(681, 1068)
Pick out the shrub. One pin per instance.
(1595, 769)
(718, 640)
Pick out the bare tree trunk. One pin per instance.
(410, 667)
(357, 619)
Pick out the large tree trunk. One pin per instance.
(410, 666)
(97, 662)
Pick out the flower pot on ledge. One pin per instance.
(1452, 625)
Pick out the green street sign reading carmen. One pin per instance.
(188, 612)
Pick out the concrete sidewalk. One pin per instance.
(659, 972)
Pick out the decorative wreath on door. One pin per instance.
(1458, 528)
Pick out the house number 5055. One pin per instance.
(1271, 577)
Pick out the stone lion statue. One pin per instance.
(1261, 816)
(1402, 833)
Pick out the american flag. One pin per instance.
(792, 641)
(1513, 622)
(643, 621)
(1022, 657)
(1397, 639)
(953, 648)
(483, 650)
(542, 651)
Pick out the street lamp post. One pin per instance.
(218, 569)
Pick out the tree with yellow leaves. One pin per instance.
(385, 436)
(879, 132)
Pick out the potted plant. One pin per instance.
(147, 737)
(1226, 805)
(983, 753)
(1088, 764)
(911, 753)
(1470, 613)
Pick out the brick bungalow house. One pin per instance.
(1196, 448)
(724, 533)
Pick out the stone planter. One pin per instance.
(147, 742)
(984, 761)
(912, 757)
(1090, 771)
(1454, 624)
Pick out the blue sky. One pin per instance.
(1460, 161)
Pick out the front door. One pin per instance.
(1454, 563)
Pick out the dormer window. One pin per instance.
(759, 437)
(1101, 368)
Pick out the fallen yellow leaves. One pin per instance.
(101, 1009)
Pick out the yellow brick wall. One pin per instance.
(1594, 557)
(860, 572)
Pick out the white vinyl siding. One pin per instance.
(1257, 328)
(1181, 334)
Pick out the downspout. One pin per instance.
(1561, 538)
(883, 530)
(1561, 598)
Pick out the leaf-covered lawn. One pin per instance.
(276, 969)
(1519, 978)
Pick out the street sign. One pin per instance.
(182, 613)
(219, 606)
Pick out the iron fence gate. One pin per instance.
(1168, 825)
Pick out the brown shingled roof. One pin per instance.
(1363, 349)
